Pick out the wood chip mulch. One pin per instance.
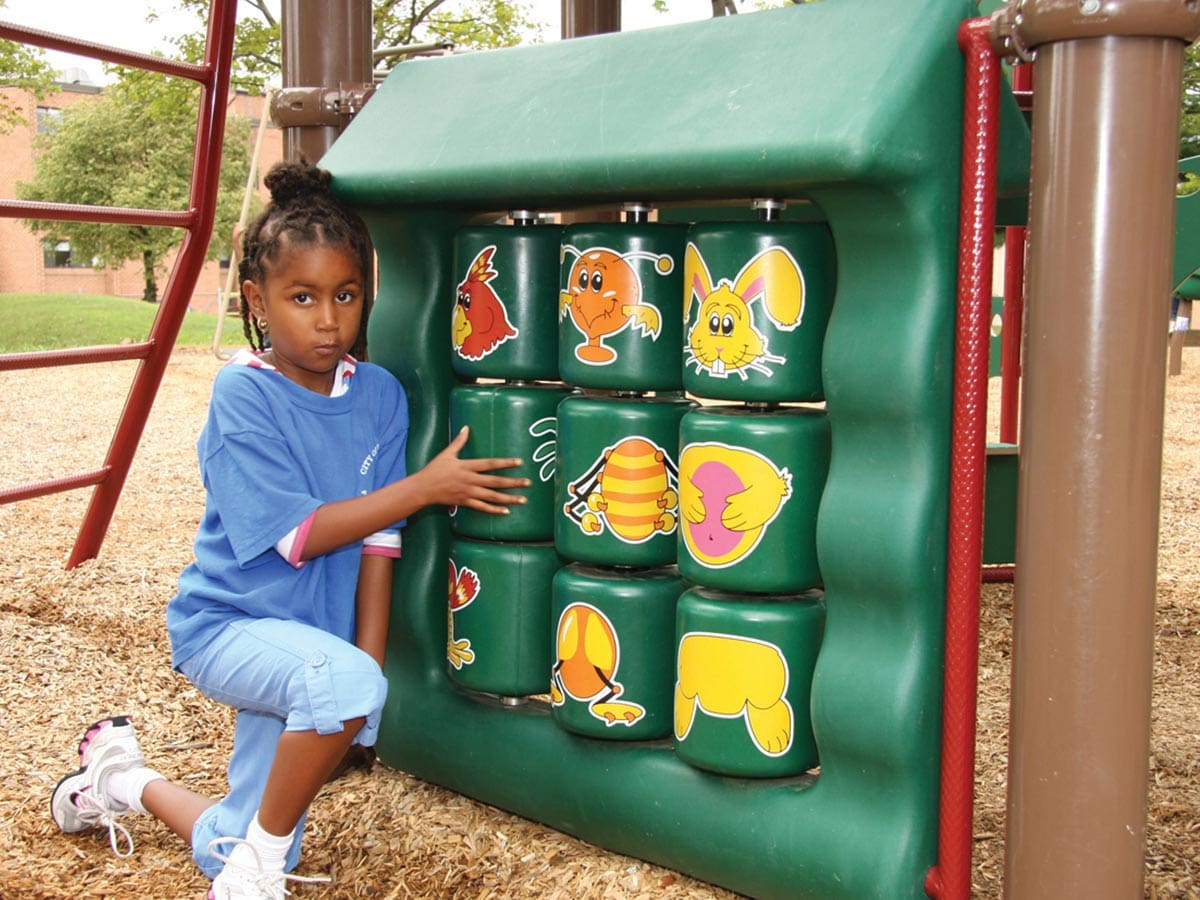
(77, 645)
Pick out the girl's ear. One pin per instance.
(254, 299)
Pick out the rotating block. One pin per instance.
(504, 323)
(757, 299)
(616, 484)
(510, 420)
(613, 669)
(499, 610)
(621, 318)
(750, 484)
(743, 681)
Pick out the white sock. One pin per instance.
(127, 786)
(272, 848)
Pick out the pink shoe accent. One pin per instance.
(98, 728)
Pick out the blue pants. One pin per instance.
(279, 676)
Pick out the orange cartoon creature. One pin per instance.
(604, 296)
(464, 587)
(632, 487)
(724, 338)
(587, 655)
(727, 497)
(480, 322)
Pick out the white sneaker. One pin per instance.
(250, 882)
(80, 800)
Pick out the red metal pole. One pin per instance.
(999, 574)
(206, 164)
(951, 877)
(51, 41)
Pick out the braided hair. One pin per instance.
(302, 211)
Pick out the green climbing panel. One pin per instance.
(806, 103)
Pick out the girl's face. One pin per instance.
(312, 300)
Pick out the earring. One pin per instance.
(263, 325)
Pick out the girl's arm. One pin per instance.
(446, 480)
(373, 605)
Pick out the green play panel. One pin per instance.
(807, 103)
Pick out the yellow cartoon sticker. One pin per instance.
(480, 323)
(733, 677)
(585, 667)
(727, 498)
(604, 296)
(723, 338)
(631, 488)
(464, 588)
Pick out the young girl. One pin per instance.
(284, 613)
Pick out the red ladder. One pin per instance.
(197, 222)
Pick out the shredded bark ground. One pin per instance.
(81, 644)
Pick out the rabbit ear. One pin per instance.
(774, 275)
(696, 279)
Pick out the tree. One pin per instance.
(132, 147)
(1189, 123)
(25, 67)
(478, 24)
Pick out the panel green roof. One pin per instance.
(826, 92)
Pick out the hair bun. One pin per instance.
(290, 181)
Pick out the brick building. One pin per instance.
(30, 265)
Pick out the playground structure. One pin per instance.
(212, 74)
(867, 824)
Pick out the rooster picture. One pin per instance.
(480, 320)
(464, 587)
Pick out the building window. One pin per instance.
(58, 255)
(48, 119)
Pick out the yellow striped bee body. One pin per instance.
(633, 488)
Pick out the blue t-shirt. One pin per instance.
(270, 453)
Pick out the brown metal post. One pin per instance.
(583, 17)
(327, 66)
(1101, 225)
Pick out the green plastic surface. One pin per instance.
(500, 609)
(504, 320)
(1187, 233)
(511, 420)
(622, 330)
(757, 308)
(750, 483)
(808, 100)
(615, 482)
(996, 342)
(1000, 505)
(614, 669)
(745, 669)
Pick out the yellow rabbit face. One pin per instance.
(724, 338)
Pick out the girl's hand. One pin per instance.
(451, 481)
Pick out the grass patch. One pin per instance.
(31, 322)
